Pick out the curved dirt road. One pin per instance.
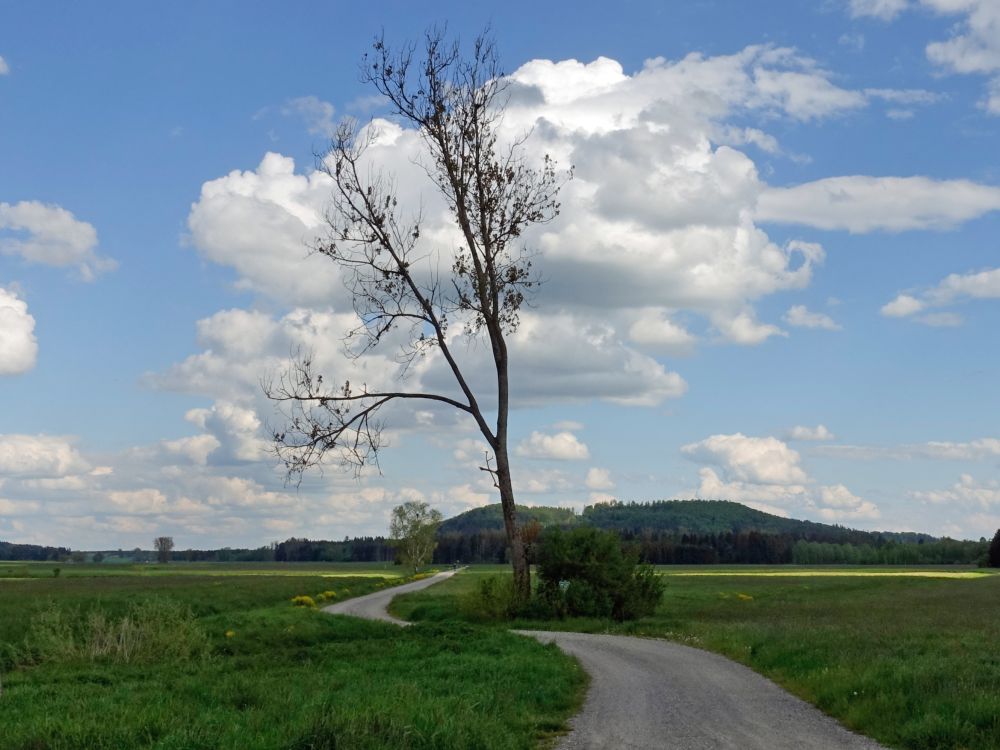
(375, 606)
(658, 695)
(647, 693)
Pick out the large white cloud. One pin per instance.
(51, 235)
(860, 204)
(659, 215)
(4, 67)
(18, 347)
(260, 222)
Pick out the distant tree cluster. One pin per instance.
(10, 551)
(360, 549)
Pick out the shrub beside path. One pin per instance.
(654, 694)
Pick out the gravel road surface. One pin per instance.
(658, 695)
(375, 606)
(647, 693)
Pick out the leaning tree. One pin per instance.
(456, 102)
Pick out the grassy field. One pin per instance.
(21, 570)
(188, 656)
(910, 657)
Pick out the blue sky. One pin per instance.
(775, 278)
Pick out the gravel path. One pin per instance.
(655, 694)
(375, 606)
(647, 693)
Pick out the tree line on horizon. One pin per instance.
(664, 533)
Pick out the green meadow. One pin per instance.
(20, 570)
(908, 656)
(216, 656)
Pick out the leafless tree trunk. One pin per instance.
(456, 103)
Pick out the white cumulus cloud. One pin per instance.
(562, 446)
(762, 460)
(764, 473)
(841, 504)
(18, 346)
(52, 236)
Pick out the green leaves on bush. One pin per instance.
(492, 599)
(586, 573)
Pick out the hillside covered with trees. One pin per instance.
(693, 532)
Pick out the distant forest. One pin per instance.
(708, 532)
(666, 532)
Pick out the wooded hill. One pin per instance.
(695, 532)
(680, 516)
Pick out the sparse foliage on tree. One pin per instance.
(413, 528)
(493, 194)
(993, 556)
(163, 545)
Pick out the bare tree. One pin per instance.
(456, 103)
(163, 545)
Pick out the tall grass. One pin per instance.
(154, 629)
(107, 671)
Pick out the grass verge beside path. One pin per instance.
(911, 661)
(256, 672)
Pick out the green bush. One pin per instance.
(585, 572)
(492, 599)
